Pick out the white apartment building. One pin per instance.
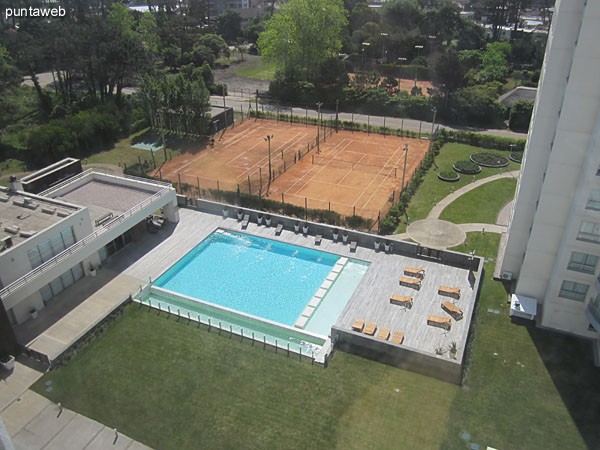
(51, 240)
(553, 244)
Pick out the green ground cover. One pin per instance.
(10, 167)
(481, 205)
(255, 69)
(171, 384)
(433, 189)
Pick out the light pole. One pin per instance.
(383, 53)
(418, 47)
(319, 104)
(268, 138)
(404, 171)
(433, 123)
(365, 45)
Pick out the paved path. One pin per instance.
(504, 214)
(435, 233)
(34, 422)
(437, 209)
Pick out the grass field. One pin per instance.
(173, 385)
(481, 205)
(256, 69)
(433, 189)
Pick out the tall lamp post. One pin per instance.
(433, 123)
(418, 47)
(319, 104)
(268, 138)
(365, 45)
(404, 171)
(383, 52)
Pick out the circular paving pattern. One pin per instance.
(435, 233)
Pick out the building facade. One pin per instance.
(553, 243)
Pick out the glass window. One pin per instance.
(68, 237)
(77, 271)
(34, 256)
(67, 278)
(589, 232)
(56, 286)
(57, 244)
(582, 262)
(46, 293)
(46, 251)
(594, 201)
(573, 291)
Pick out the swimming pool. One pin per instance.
(257, 276)
(262, 279)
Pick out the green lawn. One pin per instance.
(481, 205)
(255, 69)
(174, 385)
(433, 189)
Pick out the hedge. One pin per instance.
(483, 140)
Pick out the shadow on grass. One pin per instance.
(569, 362)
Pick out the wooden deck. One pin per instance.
(370, 300)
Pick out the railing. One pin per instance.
(20, 282)
(593, 312)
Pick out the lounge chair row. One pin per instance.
(407, 301)
(384, 333)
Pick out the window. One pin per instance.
(573, 291)
(582, 262)
(35, 259)
(589, 232)
(594, 201)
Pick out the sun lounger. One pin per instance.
(397, 337)
(384, 334)
(414, 272)
(318, 239)
(437, 321)
(279, 229)
(353, 245)
(449, 291)
(358, 325)
(370, 328)
(410, 282)
(245, 221)
(453, 310)
(402, 300)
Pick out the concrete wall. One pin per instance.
(362, 238)
(43, 179)
(440, 367)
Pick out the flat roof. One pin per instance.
(23, 215)
(102, 197)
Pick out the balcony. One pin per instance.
(593, 313)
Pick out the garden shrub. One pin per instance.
(467, 167)
(489, 159)
(516, 157)
(448, 175)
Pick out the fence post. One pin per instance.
(368, 124)
(305, 208)
(179, 176)
(249, 187)
(198, 181)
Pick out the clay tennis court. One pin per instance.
(351, 172)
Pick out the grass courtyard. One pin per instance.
(170, 384)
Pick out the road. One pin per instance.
(236, 101)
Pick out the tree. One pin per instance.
(229, 26)
(520, 115)
(303, 35)
(9, 75)
(449, 72)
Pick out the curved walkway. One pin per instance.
(437, 209)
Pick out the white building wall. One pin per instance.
(559, 171)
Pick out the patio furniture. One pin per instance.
(246, 221)
(441, 322)
(358, 325)
(318, 239)
(453, 310)
(397, 337)
(414, 272)
(353, 245)
(401, 300)
(279, 229)
(411, 282)
(449, 291)
(384, 334)
(370, 328)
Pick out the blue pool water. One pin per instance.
(253, 275)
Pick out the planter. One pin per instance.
(305, 229)
(240, 214)
(448, 176)
(33, 314)
(452, 354)
(489, 160)
(377, 245)
(268, 221)
(335, 235)
(345, 238)
(259, 219)
(296, 227)
(8, 363)
(387, 246)
(93, 272)
(225, 213)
